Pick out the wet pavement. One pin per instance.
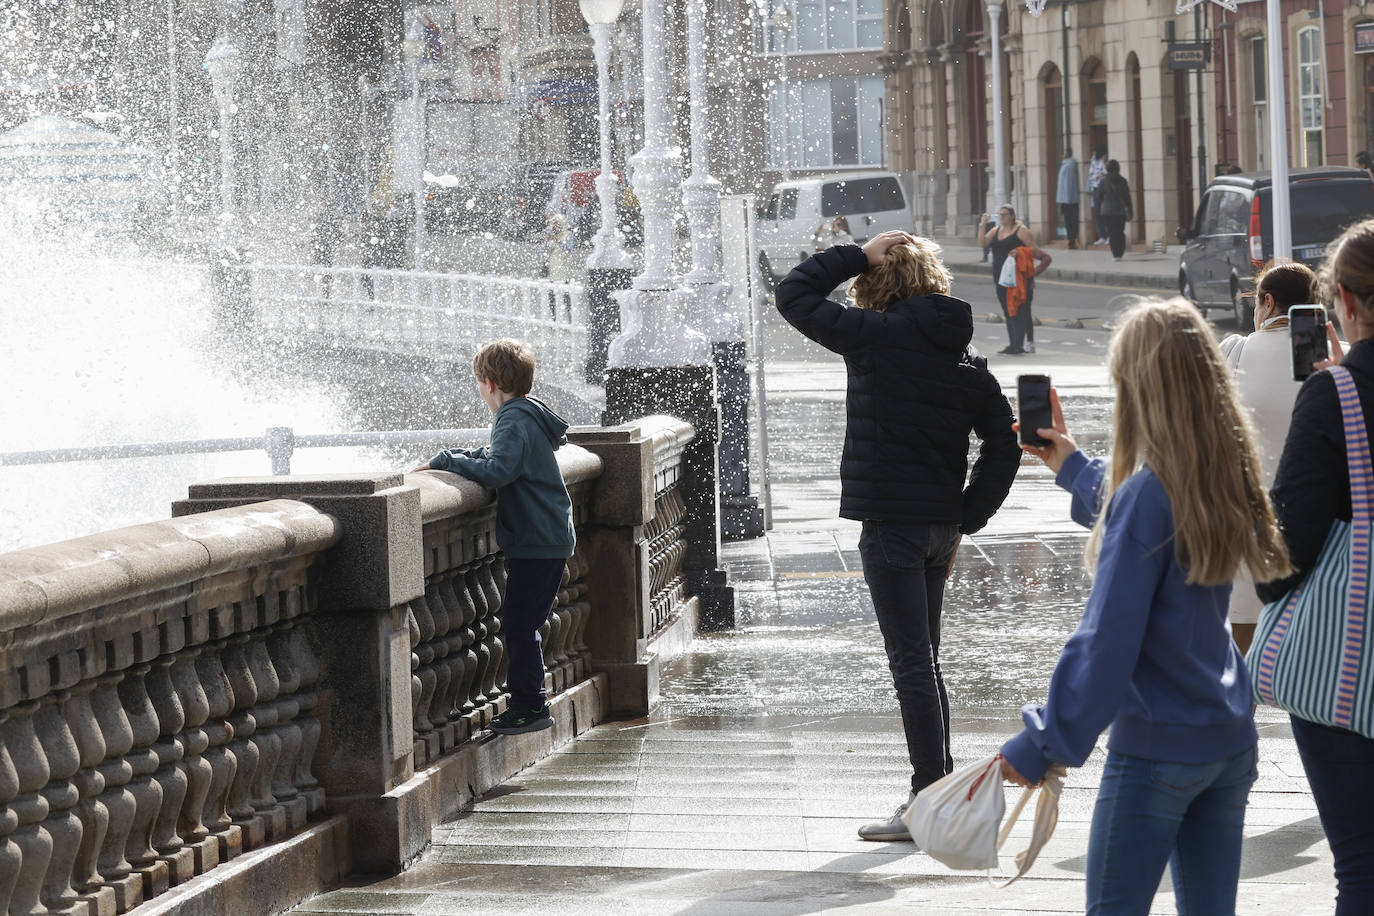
(776, 740)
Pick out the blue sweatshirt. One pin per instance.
(533, 511)
(1152, 656)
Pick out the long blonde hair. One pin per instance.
(1178, 412)
(911, 269)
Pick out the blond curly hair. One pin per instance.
(910, 269)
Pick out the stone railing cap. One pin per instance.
(54, 580)
(297, 485)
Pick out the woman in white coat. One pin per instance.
(1264, 377)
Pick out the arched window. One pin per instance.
(1310, 94)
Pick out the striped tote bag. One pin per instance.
(1310, 656)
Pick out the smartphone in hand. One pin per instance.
(1307, 338)
(1033, 407)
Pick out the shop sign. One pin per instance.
(1364, 37)
(1189, 55)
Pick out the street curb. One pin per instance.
(1077, 324)
(1095, 277)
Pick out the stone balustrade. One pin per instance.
(295, 674)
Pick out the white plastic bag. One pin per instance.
(956, 819)
(1008, 275)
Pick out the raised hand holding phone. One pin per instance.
(1307, 335)
(1060, 444)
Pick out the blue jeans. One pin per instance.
(904, 566)
(1189, 815)
(1338, 764)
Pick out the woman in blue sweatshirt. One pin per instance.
(1174, 514)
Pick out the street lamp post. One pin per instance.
(413, 50)
(782, 25)
(660, 364)
(224, 65)
(741, 515)
(999, 146)
(609, 266)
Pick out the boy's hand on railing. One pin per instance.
(423, 467)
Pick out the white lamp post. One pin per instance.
(606, 251)
(999, 145)
(661, 337)
(413, 50)
(224, 65)
(782, 26)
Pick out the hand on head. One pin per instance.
(1061, 444)
(877, 247)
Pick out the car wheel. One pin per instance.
(1241, 310)
(1185, 289)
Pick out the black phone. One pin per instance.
(1033, 406)
(1307, 338)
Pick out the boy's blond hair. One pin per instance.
(508, 364)
(911, 269)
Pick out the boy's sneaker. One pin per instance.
(518, 721)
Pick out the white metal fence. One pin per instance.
(415, 313)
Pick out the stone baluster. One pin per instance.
(288, 728)
(244, 694)
(267, 736)
(417, 684)
(440, 710)
(422, 645)
(454, 596)
(561, 610)
(95, 819)
(304, 661)
(11, 860)
(495, 674)
(30, 808)
(498, 571)
(195, 706)
(445, 621)
(223, 764)
(582, 610)
(118, 737)
(481, 617)
(459, 669)
(147, 791)
(171, 773)
(62, 796)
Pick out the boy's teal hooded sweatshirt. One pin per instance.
(533, 511)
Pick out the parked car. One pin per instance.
(1232, 235)
(872, 202)
(465, 199)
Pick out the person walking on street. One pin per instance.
(916, 390)
(1008, 235)
(1264, 380)
(1363, 161)
(1116, 207)
(1066, 195)
(1097, 170)
(1312, 491)
(1173, 517)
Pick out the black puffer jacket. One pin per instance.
(916, 391)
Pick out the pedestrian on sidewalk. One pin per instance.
(1066, 195)
(1097, 170)
(916, 390)
(1116, 207)
(1010, 234)
(1311, 492)
(534, 525)
(1174, 514)
(1264, 379)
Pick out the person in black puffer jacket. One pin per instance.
(917, 389)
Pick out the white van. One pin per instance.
(872, 202)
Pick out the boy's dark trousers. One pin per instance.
(531, 587)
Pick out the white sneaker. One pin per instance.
(1030, 346)
(891, 830)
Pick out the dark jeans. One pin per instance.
(904, 566)
(1020, 327)
(1338, 764)
(1069, 217)
(1116, 234)
(531, 587)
